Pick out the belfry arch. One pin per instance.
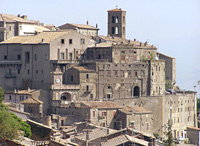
(136, 91)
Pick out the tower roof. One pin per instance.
(116, 10)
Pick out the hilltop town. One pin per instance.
(75, 87)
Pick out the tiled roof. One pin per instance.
(83, 69)
(21, 92)
(116, 10)
(83, 26)
(104, 44)
(102, 105)
(93, 134)
(32, 100)
(41, 28)
(123, 139)
(134, 109)
(13, 18)
(43, 37)
(118, 40)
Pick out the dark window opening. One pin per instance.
(28, 71)
(35, 56)
(62, 41)
(82, 41)
(136, 91)
(18, 71)
(113, 30)
(87, 88)
(10, 97)
(70, 41)
(72, 78)
(113, 19)
(87, 76)
(27, 57)
(5, 57)
(18, 57)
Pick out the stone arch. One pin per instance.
(136, 91)
(66, 96)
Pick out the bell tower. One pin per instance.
(117, 23)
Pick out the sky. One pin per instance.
(171, 25)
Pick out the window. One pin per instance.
(108, 73)
(124, 30)
(26, 97)
(20, 98)
(9, 71)
(62, 41)
(35, 57)
(36, 71)
(116, 73)
(109, 87)
(122, 74)
(104, 114)
(87, 76)
(136, 73)
(113, 19)
(18, 71)
(46, 57)
(93, 113)
(123, 57)
(117, 31)
(70, 56)
(117, 19)
(28, 71)
(9, 27)
(18, 57)
(87, 88)
(72, 78)
(42, 71)
(62, 56)
(58, 54)
(27, 57)
(123, 19)
(70, 41)
(30, 109)
(129, 73)
(147, 128)
(113, 30)
(91, 96)
(108, 96)
(10, 97)
(5, 57)
(82, 41)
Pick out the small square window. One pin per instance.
(5, 57)
(18, 57)
(70, 41)
(62, 41)
(82, 41)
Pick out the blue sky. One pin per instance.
(171, 25)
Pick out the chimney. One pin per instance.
(18, 15)
(145, 44)
(87, 22)
(24, 17)
(96, 25)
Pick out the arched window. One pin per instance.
(113, 30)
(136, 91)
(116, 30)
(66, 96)
(113, 19)
(117, 19)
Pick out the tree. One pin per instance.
(168, 134)
(10, 124)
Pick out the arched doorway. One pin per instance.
(66, 96)
(136, 91)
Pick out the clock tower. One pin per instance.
(57, 78)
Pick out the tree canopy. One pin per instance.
(10, 124)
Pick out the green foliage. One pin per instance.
(168, 84)
(152, 57)
(8, 126)
(198, 104)
(168, 134)
(1, 95)
(156, 135)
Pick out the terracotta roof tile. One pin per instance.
(102, 105)
(13, 18)
(116, 10)
(83, 69)
(46, 37)
(32, 100)
(134, 109)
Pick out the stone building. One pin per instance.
(27, 61)
(135, 117)
(117, 23)
(80, 28)
(11, 25)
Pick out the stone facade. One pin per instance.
(117, 23)
(28, 61)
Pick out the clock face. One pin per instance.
(58, 80)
